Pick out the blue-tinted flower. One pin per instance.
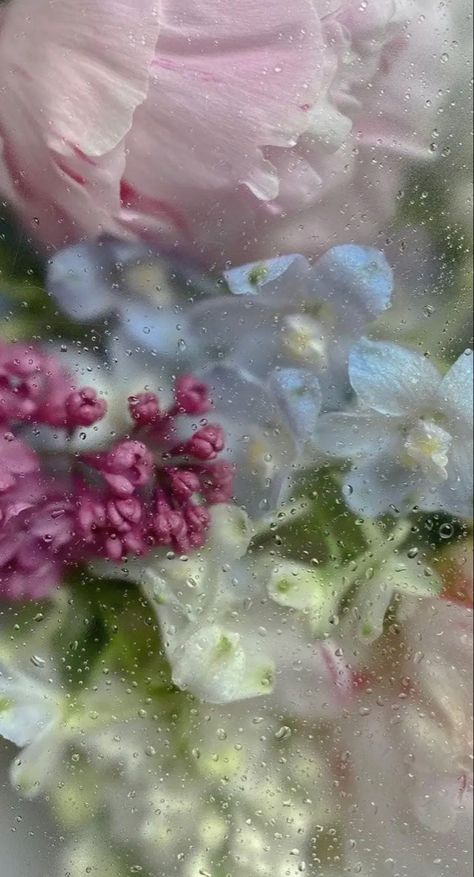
(273, 350)
(410, 438)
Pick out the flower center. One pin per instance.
(427, 447)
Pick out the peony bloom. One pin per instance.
(219, 132)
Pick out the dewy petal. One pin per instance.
(213, 664)
(72, 76)
(234, 84)
(83, 68)
(285, 277)
(391, 379)
(25, 707)
(80, 281)
(456, 391)
(378, 487)
(354, 277)
(356, 435)
(455, 495)
(298, 394)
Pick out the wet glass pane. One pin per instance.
(235, 438)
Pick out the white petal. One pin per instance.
(391, 379)
(457, 390)
(356, 435)
(380, 487)
(298, 394)
(284, 277)
(213, 665)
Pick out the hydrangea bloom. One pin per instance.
(410, 436)
(286, 112)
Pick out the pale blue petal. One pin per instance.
(357, 436)
(165, 332)
(258, 442)
(457, 389)
(391, 379)
(238, 329)
(354, 277)
(298, 394)
(284, 277)
(380, 487)
(80, 279)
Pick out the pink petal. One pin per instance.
(73, 74)
(227, 82)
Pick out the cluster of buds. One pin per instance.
(150, 489)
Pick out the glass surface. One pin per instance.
(235, 438)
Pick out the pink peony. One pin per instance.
(227, 129)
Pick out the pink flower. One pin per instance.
(214, 126)
(17, 461)
(36, 534)
(33, 386)
(409, 751)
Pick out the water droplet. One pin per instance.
(283, 733)
(37, 661)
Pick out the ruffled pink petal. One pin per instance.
(72, 77)
(227, 82)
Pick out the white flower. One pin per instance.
(230, 629)
(410, 438)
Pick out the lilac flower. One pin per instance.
(410, 437)
(147, 488)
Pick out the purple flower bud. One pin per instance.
(217, 481)
(127, 466)
(83, 407)
(192, 395)
(144, 408)
(33, 386)
(17, 460)
(183, 483)
(124, 514)
(205, 444)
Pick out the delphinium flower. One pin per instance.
(150, 487)
(410, 434)
(301, 119)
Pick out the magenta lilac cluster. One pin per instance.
(148, 489)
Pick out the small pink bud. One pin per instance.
(123, 514)
(216, 481)
(192, 396)
(144, 408)
(205, 444)
(83, 407)
(184, 483)
(128, 466)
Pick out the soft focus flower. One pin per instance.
(409, 750)
(230, 629)
(59, 506)
(271, 353)
(225, 134)
(36, 534)
(411, 435)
